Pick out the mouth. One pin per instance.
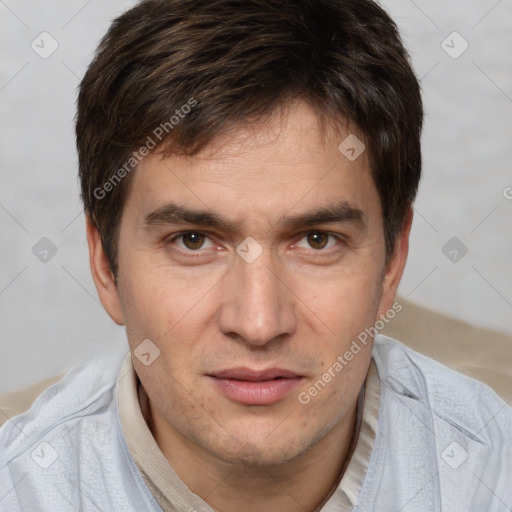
(252, 387)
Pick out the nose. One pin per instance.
(257, 304)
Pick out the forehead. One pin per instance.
(289, 161)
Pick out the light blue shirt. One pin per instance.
(443, 443)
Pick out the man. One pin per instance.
(248, 170)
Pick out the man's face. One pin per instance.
(223, 310)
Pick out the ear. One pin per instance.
(102, 274)
(395, 267)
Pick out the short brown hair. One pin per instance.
(233, 60)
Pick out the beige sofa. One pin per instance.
(480, 353)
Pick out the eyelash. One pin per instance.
(189, 252)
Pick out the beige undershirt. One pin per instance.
(173, 495)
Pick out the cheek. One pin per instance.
(155, 300)
(174, 313)
(327, 398)
(346, 301)
(143, 306)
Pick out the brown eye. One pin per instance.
(318, 240)
(192, 240)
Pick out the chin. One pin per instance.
(258, 450)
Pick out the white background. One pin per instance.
(50, 317)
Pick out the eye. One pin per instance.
(191, 241)
(319, 240)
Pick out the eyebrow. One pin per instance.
(174, 213)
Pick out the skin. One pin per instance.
(298, 306)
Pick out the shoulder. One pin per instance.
(83, 389)
(446, 392)
(447, 435)
(68, 448)
(454, 424)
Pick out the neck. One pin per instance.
(302, 484)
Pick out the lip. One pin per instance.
(255, 387)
